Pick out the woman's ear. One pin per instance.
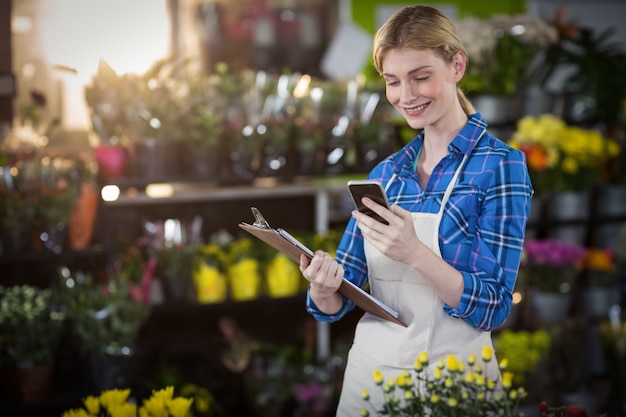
(459, 63)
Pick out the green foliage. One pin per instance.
(103, 319)
(30, 325)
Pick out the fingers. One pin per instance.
(322, 269)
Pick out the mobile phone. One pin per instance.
(371, 189)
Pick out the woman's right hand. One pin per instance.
(325, 275)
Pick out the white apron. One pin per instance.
(390, 348)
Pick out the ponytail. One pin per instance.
(466, 104)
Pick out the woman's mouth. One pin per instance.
(415, 111)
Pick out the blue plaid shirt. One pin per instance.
(482, 229)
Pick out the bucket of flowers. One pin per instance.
(30, 329)
(551, 269)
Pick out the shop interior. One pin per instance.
(136, 137)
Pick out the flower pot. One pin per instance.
(82, 217)
(495, 109)
(283, 277)
(157, 160)
(597, 301)
(112, 160)
(569, 206)
(211, 284)
(31, 385)
(548, 307)
(609, 203)
(245, 280)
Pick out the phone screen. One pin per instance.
(371, 189)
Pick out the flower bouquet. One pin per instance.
(562, 157)
(453, 388)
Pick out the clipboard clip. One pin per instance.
(259, 220)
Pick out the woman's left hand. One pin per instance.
(398, 239)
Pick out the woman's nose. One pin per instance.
(406, 93)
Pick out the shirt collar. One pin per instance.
(463, 143)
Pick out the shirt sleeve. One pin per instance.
(351, 255)
(497, 246)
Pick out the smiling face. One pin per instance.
(422, 86)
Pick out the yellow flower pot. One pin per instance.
(211, 284)
(283, 277)
(245, 279)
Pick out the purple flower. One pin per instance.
(552, 252)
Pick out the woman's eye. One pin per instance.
(421, 78)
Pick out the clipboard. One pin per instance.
(282, 241)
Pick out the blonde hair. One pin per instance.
(420, 27)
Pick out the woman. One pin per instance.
(448, 260)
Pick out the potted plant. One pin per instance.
(174, 267)
(16, 221)
(600, 291)
(114, 110)
(31, 323)
(565, 163)
(453, 387)
(526, 353)
(500, 51)
(244, 269)
(104, 319)
(551, 268)
(209, 273)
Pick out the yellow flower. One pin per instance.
(470, 377)
(434, 398)
(155, 406)
(92, 404)
(453, 402)
(423, 358)
(437, 373)
(179, 406)
(123, 410)
(364, 412)
(365, 394)
(418, 365)
(487, 353)
(378, 377)
(113, 397)
(513, 394)
(453, 363)
(79, 412)
(390, 385)
(448, 382)
(507, 379)
(471, 360)
(504, 363)
(408, 395)
(481, 380)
